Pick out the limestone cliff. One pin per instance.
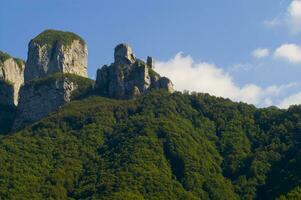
(56, 52)
(11, 79)
(39, 97)
(128, 76)
(55, 71)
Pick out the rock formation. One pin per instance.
(11, 79)
(55, 69)
(150, 62)
(40, 97)
(123, 55)
(129, 77)
(55, 73)
(56, 51)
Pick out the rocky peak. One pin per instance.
(150, 62)
(129, 77)
(56, 52)
(11, 78)
(123, 55)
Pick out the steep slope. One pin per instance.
(11, 74)
(11, 79)
(56, 68)
(159, 146)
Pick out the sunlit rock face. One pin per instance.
(11, 79)
(129, 77)
(56, 52)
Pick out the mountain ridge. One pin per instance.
(129, 135)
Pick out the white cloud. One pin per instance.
(289, 52)
(186, 74)
(294, 99)
(291, 18)
(294, 11)
(261, 53)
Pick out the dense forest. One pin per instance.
(158, 146)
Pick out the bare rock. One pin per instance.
(11, 77)
(56, 52)
(150, 62)
(123, 55)
(40, 97)
(165, 83)
(128, 78)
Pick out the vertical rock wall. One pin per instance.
(50, 55)
(11, 75)
(56, 52)
(39, 99)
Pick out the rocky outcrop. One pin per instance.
(129, 77)
(55, 71)
(123, 55)
(11, 79)
(150, 62)
(56, 52)
(40, 97)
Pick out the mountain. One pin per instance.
(129, 135)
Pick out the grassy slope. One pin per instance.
(160, 146)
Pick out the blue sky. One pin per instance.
(245, 50)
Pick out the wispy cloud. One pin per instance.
(187, 74)
(291, 18)
(261, 53)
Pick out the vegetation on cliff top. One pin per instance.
(159, 146)
(4, 56)
(51, 37)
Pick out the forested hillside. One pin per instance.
(159, 146)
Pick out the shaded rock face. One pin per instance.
(6, 94)
(126, 78)
(11, 75)
(37, 101)
(150, 62)
(46, 59)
